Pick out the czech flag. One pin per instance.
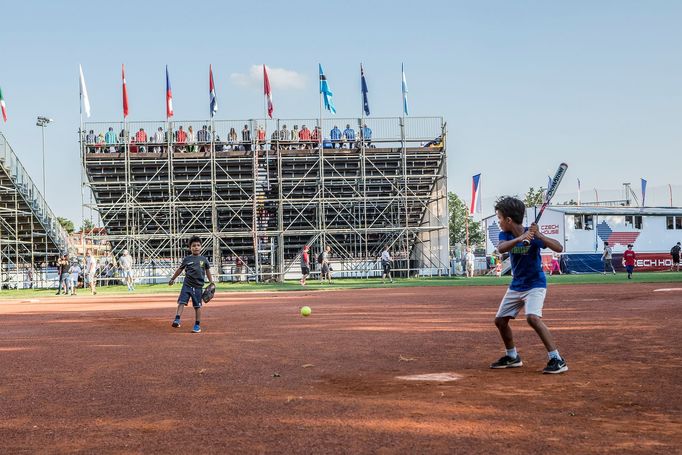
(3, 107)
(169, 97)
(475, 194)
(211, 88)
(125, 92)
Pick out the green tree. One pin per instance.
(459, 212)
(67, 224)
(87, 226)
(534, 197)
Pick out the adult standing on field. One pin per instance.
(607, 258)
(64, 277)
(305, 264)
(386, 261)
(90, 268)
(126, 264)
(675, 253)
(471, 262)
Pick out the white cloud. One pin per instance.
(280, 78)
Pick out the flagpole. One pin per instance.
(321, 203)
(670, 189)
(80, 140)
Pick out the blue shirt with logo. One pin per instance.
(526, 264)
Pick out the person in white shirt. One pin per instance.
(126, 264)
(386, 261)
(470, 260)
(74, 270)
(90, 269)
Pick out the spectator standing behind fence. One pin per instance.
(366, 135)
(159, 138)
(181, 139)
(191, 140)
(90, 269)
(283, 137)
(75, 271)
(63, 271)
(294, 137)
(126, 264)
(91, 140)
(232, 139)
(141, 138)
(335, 136)
(246, 138)
(204, 138)
(304, 136)
(110, 140)
(349, 134)
(260, 137)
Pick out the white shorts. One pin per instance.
(127, 273)
(512, 302)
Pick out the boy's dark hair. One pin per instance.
(194, 239)
(511, 207)
(606, 243)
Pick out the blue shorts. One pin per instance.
(189, 292)
(629, 268)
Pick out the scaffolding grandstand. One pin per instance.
(257, 198)
(31, 237)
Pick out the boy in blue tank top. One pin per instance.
(528, 287)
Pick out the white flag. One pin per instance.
(84, 93)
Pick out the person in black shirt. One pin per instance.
(194, 265)
(63, 270)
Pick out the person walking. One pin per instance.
(675, 253)
(126, 264)
(90, 269)
(607, 258)
(629, 258)
(386, 261)
(471, 262)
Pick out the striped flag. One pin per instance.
(363, 82)
(169, 97)
(213, 101)
(84, 93)
(125, 92)
(475, 195)
(3, 107)
(578, 191)
(406, 108)
(326, 93)
(643, 191)
(267, 92)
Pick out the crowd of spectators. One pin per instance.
(189, 141)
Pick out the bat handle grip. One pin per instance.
(526, 242)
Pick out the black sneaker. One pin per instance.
(507, 362)
(176, 323)
(555, 366)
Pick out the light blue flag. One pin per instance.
(326, 93)
(406, 109)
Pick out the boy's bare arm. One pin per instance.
(208, 275)
(507, 245)
(175, 275)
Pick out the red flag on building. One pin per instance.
(267, 92)
(169, 97)
(125, 92)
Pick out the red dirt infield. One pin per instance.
(109, 374)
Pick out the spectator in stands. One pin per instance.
(283, 137)
(437, 142)
(110, 140)
(294, 137)
(100, 142)
(159, 138)
(260, 137)
(246, 138)
(122, 137)
(91, 139)
(204, 138)
(316, 136)
(191, 140)
(349, 136)
(141, 138)
(181, 139)
(274, 140)
(304, 137)
(366, 135)
(335, 136)
(232, 139)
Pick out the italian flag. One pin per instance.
(3, 107)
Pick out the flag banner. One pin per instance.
(643, 192)
(475, 194)
(169, 96)
(213, 101)
(3, 107)
(326, 93)
(267, 92)
(406, 108)
(125, 92)
(84, 93)
(363, 82)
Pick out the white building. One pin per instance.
(582, 230)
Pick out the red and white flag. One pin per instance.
(125, 92)
(267, 92)
(3, 107)
(169, 97)
(475, 195)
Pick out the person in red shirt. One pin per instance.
(629, 258)
(305, 265)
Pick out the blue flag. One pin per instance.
(643, 191)
(406, 109)
(326, 93)
(365, 102)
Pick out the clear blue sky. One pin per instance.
(523, 85)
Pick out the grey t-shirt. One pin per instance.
(195, 268)
(608, 252)
(125, 262)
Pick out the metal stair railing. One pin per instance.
(33, 198)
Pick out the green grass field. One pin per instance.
(314, 285)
